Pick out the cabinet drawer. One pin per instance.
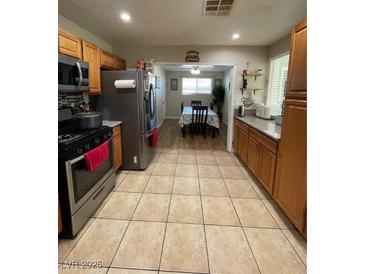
(241, 125)
(263, 140)
(116, 130)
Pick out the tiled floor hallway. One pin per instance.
(196, 209)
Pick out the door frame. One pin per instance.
(230, 128)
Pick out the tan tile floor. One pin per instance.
(187, 215)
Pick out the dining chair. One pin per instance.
(196, 103)
(199, 120)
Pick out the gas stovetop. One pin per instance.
(82, 141)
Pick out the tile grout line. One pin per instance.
(293, 248)
(244, 233)
(167, 218)
(126, 229)
(205, 232)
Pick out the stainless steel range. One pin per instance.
(81, 190)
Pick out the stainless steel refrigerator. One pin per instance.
(136, 107)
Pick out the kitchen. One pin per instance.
(132, 160)
(184, 144)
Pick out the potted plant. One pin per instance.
(218, 99)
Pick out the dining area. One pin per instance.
(198, 119)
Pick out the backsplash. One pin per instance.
(72, 100)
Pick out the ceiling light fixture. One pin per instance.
(235, 36)
(125, 17)
(195, 70)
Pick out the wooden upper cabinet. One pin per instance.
(111, 61)
(69, 44)
(253, 155)
(266, 168)
(91, 54)
(290, 189)
(297, 76)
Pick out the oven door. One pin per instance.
(82, 183)
(73, 74)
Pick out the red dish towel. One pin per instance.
(97, 156)
(154, 137)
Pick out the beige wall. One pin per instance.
(175, 97)
(227, 81)
(279, 47)
(84, 34)
(160, 94)
(276, 49)
(224, 55)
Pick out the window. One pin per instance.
(277, 83)
(196, 86)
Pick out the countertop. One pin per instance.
(111, 123)
(267, 127)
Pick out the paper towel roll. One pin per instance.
(125, 83)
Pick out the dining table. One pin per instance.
(186, 117)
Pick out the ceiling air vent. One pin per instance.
(217, 7)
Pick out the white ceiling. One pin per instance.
(185, 67)
(181, 22)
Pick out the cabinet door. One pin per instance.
(297, 77)
(266, 169)
(235, 140)
(107, 59)
(117, 152)
(243, 144)
(253, 155)
(290, 189)
(69, 44)
(119, 63)
(91, 54)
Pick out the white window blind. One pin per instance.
(196, 86)
(277, 83)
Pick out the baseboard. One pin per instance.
(172, 117)
(158, 126)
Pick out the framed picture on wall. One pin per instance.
(157, 82)
(217, 82)
(173, 84)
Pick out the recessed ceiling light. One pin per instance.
(235, 36)
(125, 17)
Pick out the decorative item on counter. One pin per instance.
(192, 56)
(247, 100)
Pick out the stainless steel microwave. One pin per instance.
(73, 74)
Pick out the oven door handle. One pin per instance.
(76, 159)
(80, 73)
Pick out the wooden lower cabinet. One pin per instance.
(242, 145)
(117, 144)
(253, 155)
(266, 168)
(291, 176)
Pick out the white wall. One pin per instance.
(175, 97)
(160, 94)
(227, 55)
(84, 34)
(227, 82)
